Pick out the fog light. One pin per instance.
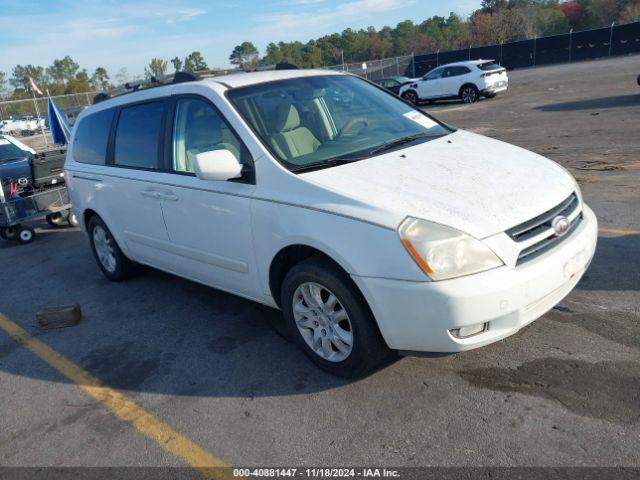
(469, 331)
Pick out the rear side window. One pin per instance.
(91, 138)
(138, 135)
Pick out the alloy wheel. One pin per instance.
(322, 321)
(103, 244)
(469, 95)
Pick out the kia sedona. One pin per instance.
(372, 226)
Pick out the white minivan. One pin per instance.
(370, 224)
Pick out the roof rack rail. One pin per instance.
(172, 78)
(278, 66)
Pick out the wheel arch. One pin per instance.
(289, 256)
(467, 84)
(86, 217)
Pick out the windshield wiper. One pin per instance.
(324, 164)
(402, 140)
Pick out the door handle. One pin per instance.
(150, 194)
(170, 196)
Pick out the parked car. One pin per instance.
(372, 225)
(393, 84)
(25, 125)
(467, 81)
(14, 162)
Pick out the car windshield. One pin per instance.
(320, 121)
(8, 151)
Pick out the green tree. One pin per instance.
(177, 63)
(273, 55)
(245, 56)
(3, 84)
(19, 73)
(100, 79)
(80, 83)
(604, 11)
(194, 62)
(63, 70)
(156, 68)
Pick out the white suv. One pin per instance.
(464, 80)
(369, 223)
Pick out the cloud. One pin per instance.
(179, 16)
(324, 19)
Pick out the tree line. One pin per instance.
(495, 22)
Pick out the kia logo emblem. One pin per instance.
(560, 225)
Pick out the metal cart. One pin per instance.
(50, 203)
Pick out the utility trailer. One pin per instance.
(41, 194)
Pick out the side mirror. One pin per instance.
(217, 165)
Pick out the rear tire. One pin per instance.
(469, 94)
(330, 319)
(9, 233)
(114, 265)
(56, 219)
(71, 218)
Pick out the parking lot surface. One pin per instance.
(217, 370)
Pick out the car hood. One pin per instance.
(472, 183)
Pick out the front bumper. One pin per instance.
(418, 316)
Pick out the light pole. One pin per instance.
(611, 38)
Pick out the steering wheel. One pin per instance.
(349, 126)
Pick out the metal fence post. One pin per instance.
(438, 58)
(535, 42)
(413, 65)
(570, 41)
(469, 52)
(611, 38)
(501, 52)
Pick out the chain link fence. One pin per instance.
(569, 47)
(377, 69)
(71, 104)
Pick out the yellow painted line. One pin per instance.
(620, 231)
(123, 407)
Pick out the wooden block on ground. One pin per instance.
(59, 317)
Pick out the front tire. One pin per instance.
(411, 97)
(330, 319)
(25, 235)
(114, 265)
(469, 94)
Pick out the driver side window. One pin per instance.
(436, 74)
(198, 128)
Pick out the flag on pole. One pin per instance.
(31, 85)
(58, 123)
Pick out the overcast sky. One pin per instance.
(116, 34)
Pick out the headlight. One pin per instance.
(443, 252)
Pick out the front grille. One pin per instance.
(542, 225)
